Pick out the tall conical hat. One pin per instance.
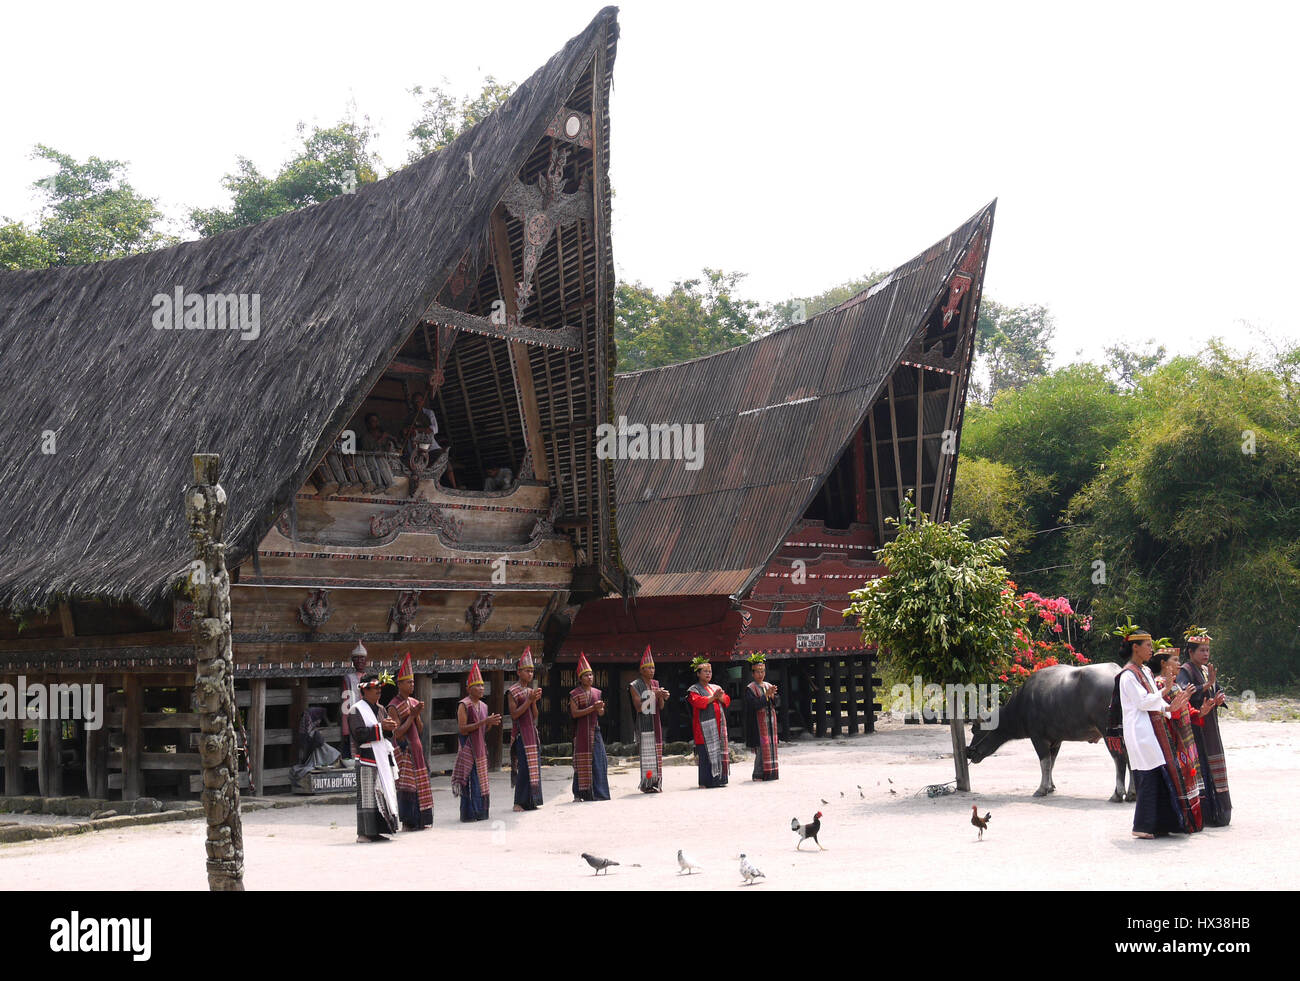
(404, 671)
(584, 666)
(526, 658)
(646, 658)
(475, 676)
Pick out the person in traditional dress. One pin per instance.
(414, 791)
(351, 694)
(1199, 676)
(709, 722)
(760, 719)
(1146, 739)
(648, 700)
(525, 746)
(369, 726)
(469, 778)
(590, 767)
(1188, 787)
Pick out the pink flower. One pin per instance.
(1057, 629)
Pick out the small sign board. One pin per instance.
(329, 781)
(809, 642)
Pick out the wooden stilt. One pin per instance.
(49, 769)
(297, 708)
(257, 732)
(97, 755)
(837, 699)
(822, 724)
(132, 777)
(496, 703)
(853, 693)
(13, 765)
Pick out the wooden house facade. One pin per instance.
(811, 437)
(481, 276)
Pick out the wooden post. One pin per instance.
(214, 689)
(49, 765)
(297, 709)
(424, 692)
(837, 701)
(13, 764)
(496, 705)
(853, 693)
(132, 778)
(821, 725)
(256, 733)
(861, 512)
(97, 753)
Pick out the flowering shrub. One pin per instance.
(1045, 639)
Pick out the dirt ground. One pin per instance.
(874, 839)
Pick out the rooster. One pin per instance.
(980, 822)
(807, 830)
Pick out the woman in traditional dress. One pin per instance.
(1146, 739)
(648, 700)
(525, 747)
(590, 768)
(760, 719)
(469, 778)
(1187, 776)
(709, 722)
(414, 791)
(1199, 676)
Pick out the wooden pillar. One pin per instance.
(871, 705)
(496, 703)
(837, 700)
(132, 777)
(821, 724)
(861, 512)
(49, 765)
(853, 693)
(13, 766)
(298, 706)
(97, 753)
(256, 733)
(424, 692)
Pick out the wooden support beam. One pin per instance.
(946, 460)
(893, 434)
(853, 692)
(920, 431)
(13, 761)
(522, 367)
(297, 708)
(875, 473)
(860, 509)
(496, 706)
(837, 701)
(132, 777)
(65, 619)
(424, 692)
(97, 757)
(49, 767)
(256, 731)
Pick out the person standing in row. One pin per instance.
(469, 778)
(648, 700)
(709, 723)
(760, 720)
(414, 791)
(351, 694)
(369, 726)
(525, 746)
(590, 772)
(1186, 772)
(1200, 677)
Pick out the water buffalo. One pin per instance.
(1056, 704)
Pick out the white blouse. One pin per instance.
(1139, 737)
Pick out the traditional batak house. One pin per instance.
(809, 437)
(481, 274)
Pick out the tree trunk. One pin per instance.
(214, 688)
(960, 763)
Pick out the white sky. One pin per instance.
(1144, 155)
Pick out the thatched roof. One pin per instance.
(777, 413)
(341, 285)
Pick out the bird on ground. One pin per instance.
(748, 872)
(598, 863)
(687, 864)
(980, 822)
(861, 793)
(806, 831)
(825, 801)
(890, 779)
(893, 791)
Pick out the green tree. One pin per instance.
(443, 117)
(992, 498)
(1129, 363)
(802, 308)
(22, 248)
(1012, 347)
(332, 161)
(945, 611)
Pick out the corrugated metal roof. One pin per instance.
(776, 414)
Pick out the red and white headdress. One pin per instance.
(404, 671)
(646, 658)
(526, 658)
(584, 666)
(475, 676)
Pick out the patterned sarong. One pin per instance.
(525, 754)
(469, 777)
(765, 755)
(713, 752)
(414, 790)
(1217, 805)
(586, 731)
(650, 735)
(1172, 782)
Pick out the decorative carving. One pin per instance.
(545, 525)
(542, 209)
(916, 355)
(315, 609)
(460, 278)
(418, 466)
(479, 612)
(418, 514)
(401, 615)
(526, 471)
(571, 126)
(963, 279)
(182, 616)
(562, 338)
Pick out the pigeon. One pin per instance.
(687, 864)
(890, 779)
(825, 801)
(748, 872)
(860, 793)
(893, 791)
(598, 863)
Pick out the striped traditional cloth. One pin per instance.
(650, 734)
(473, 751)
(1168, 751)
(765, 759)
(584, 734)
(712, 722)
(1188, 784)
(524, 731)
(412, 770)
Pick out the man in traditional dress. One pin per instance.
(469, 778)
(1188, 788)
(760, 719)
(1199, 676)
(351, 694)
(369, 726)
(525, 746)
(648, 700)
(590, 768)
(709, 722)
(414, 791)
(1146, 739)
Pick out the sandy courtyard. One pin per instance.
(1071, 840)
